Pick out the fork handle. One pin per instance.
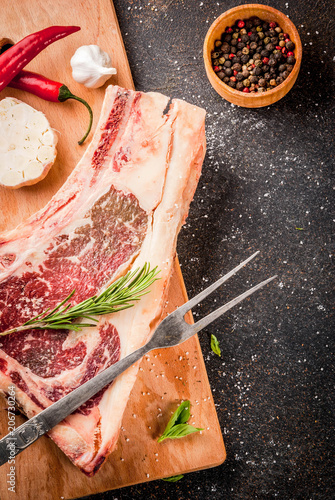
(22, 437)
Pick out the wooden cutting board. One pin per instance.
(166, 377)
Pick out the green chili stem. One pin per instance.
(64, 95)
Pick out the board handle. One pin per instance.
(5, 43)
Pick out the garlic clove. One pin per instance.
(91, 66)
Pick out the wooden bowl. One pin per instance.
(228, 18)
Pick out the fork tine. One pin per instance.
(202, 295)
(203, 322)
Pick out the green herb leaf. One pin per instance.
(118, 296)
(215, 346)
(173, 479)
(180, 416)
(179, 431)
(300, 229)
(177, 426)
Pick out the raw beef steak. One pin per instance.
(122, 206)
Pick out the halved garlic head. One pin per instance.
(27, 144)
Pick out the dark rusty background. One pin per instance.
(268, 185)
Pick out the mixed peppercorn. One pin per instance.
(253, 55)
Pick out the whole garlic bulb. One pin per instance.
(91, 66)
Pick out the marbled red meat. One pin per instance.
(123, 205)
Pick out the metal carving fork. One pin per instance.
(173, 330)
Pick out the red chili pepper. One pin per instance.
(18, 56)
(48, 90)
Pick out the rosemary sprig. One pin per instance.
(118, 296)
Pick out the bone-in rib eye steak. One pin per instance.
(122, 206)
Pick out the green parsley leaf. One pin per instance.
(300, 229)
(173, 479)
(177, 426)
(215, 346)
